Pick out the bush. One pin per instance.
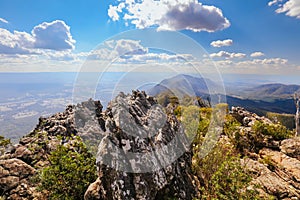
(221, 175)
(72, 168)
(276, 131)
(4, 143)
(255, 138)
(195, 121)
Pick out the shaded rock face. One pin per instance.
(133, 159)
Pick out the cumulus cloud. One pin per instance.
(126, 51)
(221, 43)
(290, 8)
(257, 54)
(3, 20)
(123, 47)
(227, 55)
(52, 36)
(170, 15)
(15, 43)
(112, 49)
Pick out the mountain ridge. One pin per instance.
(256, 99)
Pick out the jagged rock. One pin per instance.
(272, 163)
(134, 160)
(136, 125)
(131, 124)
(276, 174)
(289, 165)
(20, 164)
(89, 123)
(247, 118)
(12, 173)
(291, 147)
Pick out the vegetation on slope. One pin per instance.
(221, 172)
(71, 170)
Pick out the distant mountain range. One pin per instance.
(259, 99)
(276, 90)
(184, 84)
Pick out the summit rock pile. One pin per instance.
(135, 127)
(142, 153)
(275, 165)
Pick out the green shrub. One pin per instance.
(276, 131)
(221, 175)
(231, 126)
(72, 169)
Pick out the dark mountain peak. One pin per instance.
(184, 85)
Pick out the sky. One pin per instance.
(242, 37)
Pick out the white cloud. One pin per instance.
(113, 11)
(221, 43)
(170, 15)
(271, 3)
(60, 55)
(258, 62)
(15, 43)
(54, 35)
(290, 8)
(159, 58)
(227, 55)
(257, 66)
(110, 50)
(257, 54)
(3, 20)
(124, 46)
(271, 61)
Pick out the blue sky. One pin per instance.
(249, 36)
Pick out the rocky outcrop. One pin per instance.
(134, 160)
(275, 174)
(20, 164)
(247, 118)
(143, 153)
(291, 147)
(275, 164)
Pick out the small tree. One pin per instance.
(297, 103)
(71, 170)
